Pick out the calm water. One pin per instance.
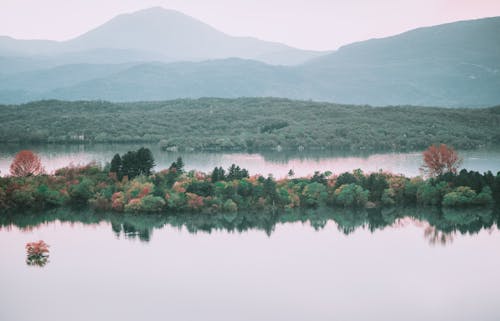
(321, 265)
(411, 264)
(277, 163)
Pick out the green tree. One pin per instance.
(145, 161)
(116, 166)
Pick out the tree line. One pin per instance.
(129, 184)
(249, 124)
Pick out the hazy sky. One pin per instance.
(309, 24)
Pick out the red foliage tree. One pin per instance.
(440, 159)
(26, 163)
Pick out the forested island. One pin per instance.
(250, 124)
(128, 184)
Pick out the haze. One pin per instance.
(312, 24)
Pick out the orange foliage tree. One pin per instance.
(440, 159)
(26, 163)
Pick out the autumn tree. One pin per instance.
(26, 163)
(440, 159)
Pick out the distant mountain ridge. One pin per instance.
(166, 35)
(451, 65)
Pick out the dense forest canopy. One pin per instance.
(249, 124)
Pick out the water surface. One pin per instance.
(276, 163)
(415, 264)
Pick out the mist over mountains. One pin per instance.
(158, 54)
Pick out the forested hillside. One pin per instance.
(250, 124)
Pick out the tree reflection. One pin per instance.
(437, 237)
(37, 253)
(440, 226)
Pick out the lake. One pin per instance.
(397, 264)
(276, 163)
(327, 264)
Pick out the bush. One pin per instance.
(49, 196)
(82, 192)
(150, 203)
(351, 195)
(461, 196)
(230, 206)
(23, 197)
(484, 198)
(429, 194)
(118, 201)
(314, 194)
(100, 203)
(388, 197)
(176, 201)
(376, 184)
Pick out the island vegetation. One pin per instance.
(251, 124)
(129, 184)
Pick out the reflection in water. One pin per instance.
(37, 253)
(435, 236)
(439, 226)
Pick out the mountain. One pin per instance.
(165, 35)
(451, 65)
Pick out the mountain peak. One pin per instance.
(166, 34)
(158, 12)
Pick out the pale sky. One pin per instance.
(307, 24)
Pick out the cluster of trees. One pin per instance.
(133, 163)
(234, 173)
(129, 185)
(250, 124)
(174, 189)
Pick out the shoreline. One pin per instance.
(174, 190)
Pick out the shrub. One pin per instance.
(388, 197)
(376, 183)
(484, 198)
(152, 203)
(50, 197)
(175, 201)
(134, 205)
(194, 201)
(118, 201)
(314, 194)
(460, 196)
(230, 206)
(351, 195)
(429, 194)
(24, 196)
(100, 203)
(82, 192)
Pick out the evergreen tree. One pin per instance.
(218, 174)
(129, 164)
(116, 166)
(178, 165)
(270, 189)
(145, 161)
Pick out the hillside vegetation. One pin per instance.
(249, 124)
